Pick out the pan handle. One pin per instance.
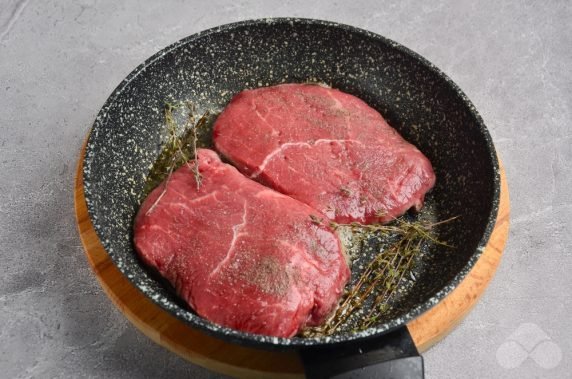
(392, 355)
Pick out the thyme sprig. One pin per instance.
(178, 149)
(378, 283)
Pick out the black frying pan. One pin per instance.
(425, 106)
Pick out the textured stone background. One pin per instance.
(60, 60)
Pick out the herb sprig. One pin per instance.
(378, 283)
(178, 149)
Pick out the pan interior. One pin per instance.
(209, 68)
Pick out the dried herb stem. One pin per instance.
(379, 282)
(179, 147)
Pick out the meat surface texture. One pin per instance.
(325, 148)
(240, 254)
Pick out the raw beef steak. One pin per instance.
(325, 148)
(240, 254)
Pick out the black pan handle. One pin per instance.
(391, 356)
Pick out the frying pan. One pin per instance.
(417, 99)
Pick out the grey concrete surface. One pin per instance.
(60, 60)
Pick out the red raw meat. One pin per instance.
(240, 254)
(325, 148)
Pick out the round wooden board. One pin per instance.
(241, 361)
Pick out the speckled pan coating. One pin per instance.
(422, 103)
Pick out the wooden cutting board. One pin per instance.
(241, 361)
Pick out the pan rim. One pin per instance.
(297, 342)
